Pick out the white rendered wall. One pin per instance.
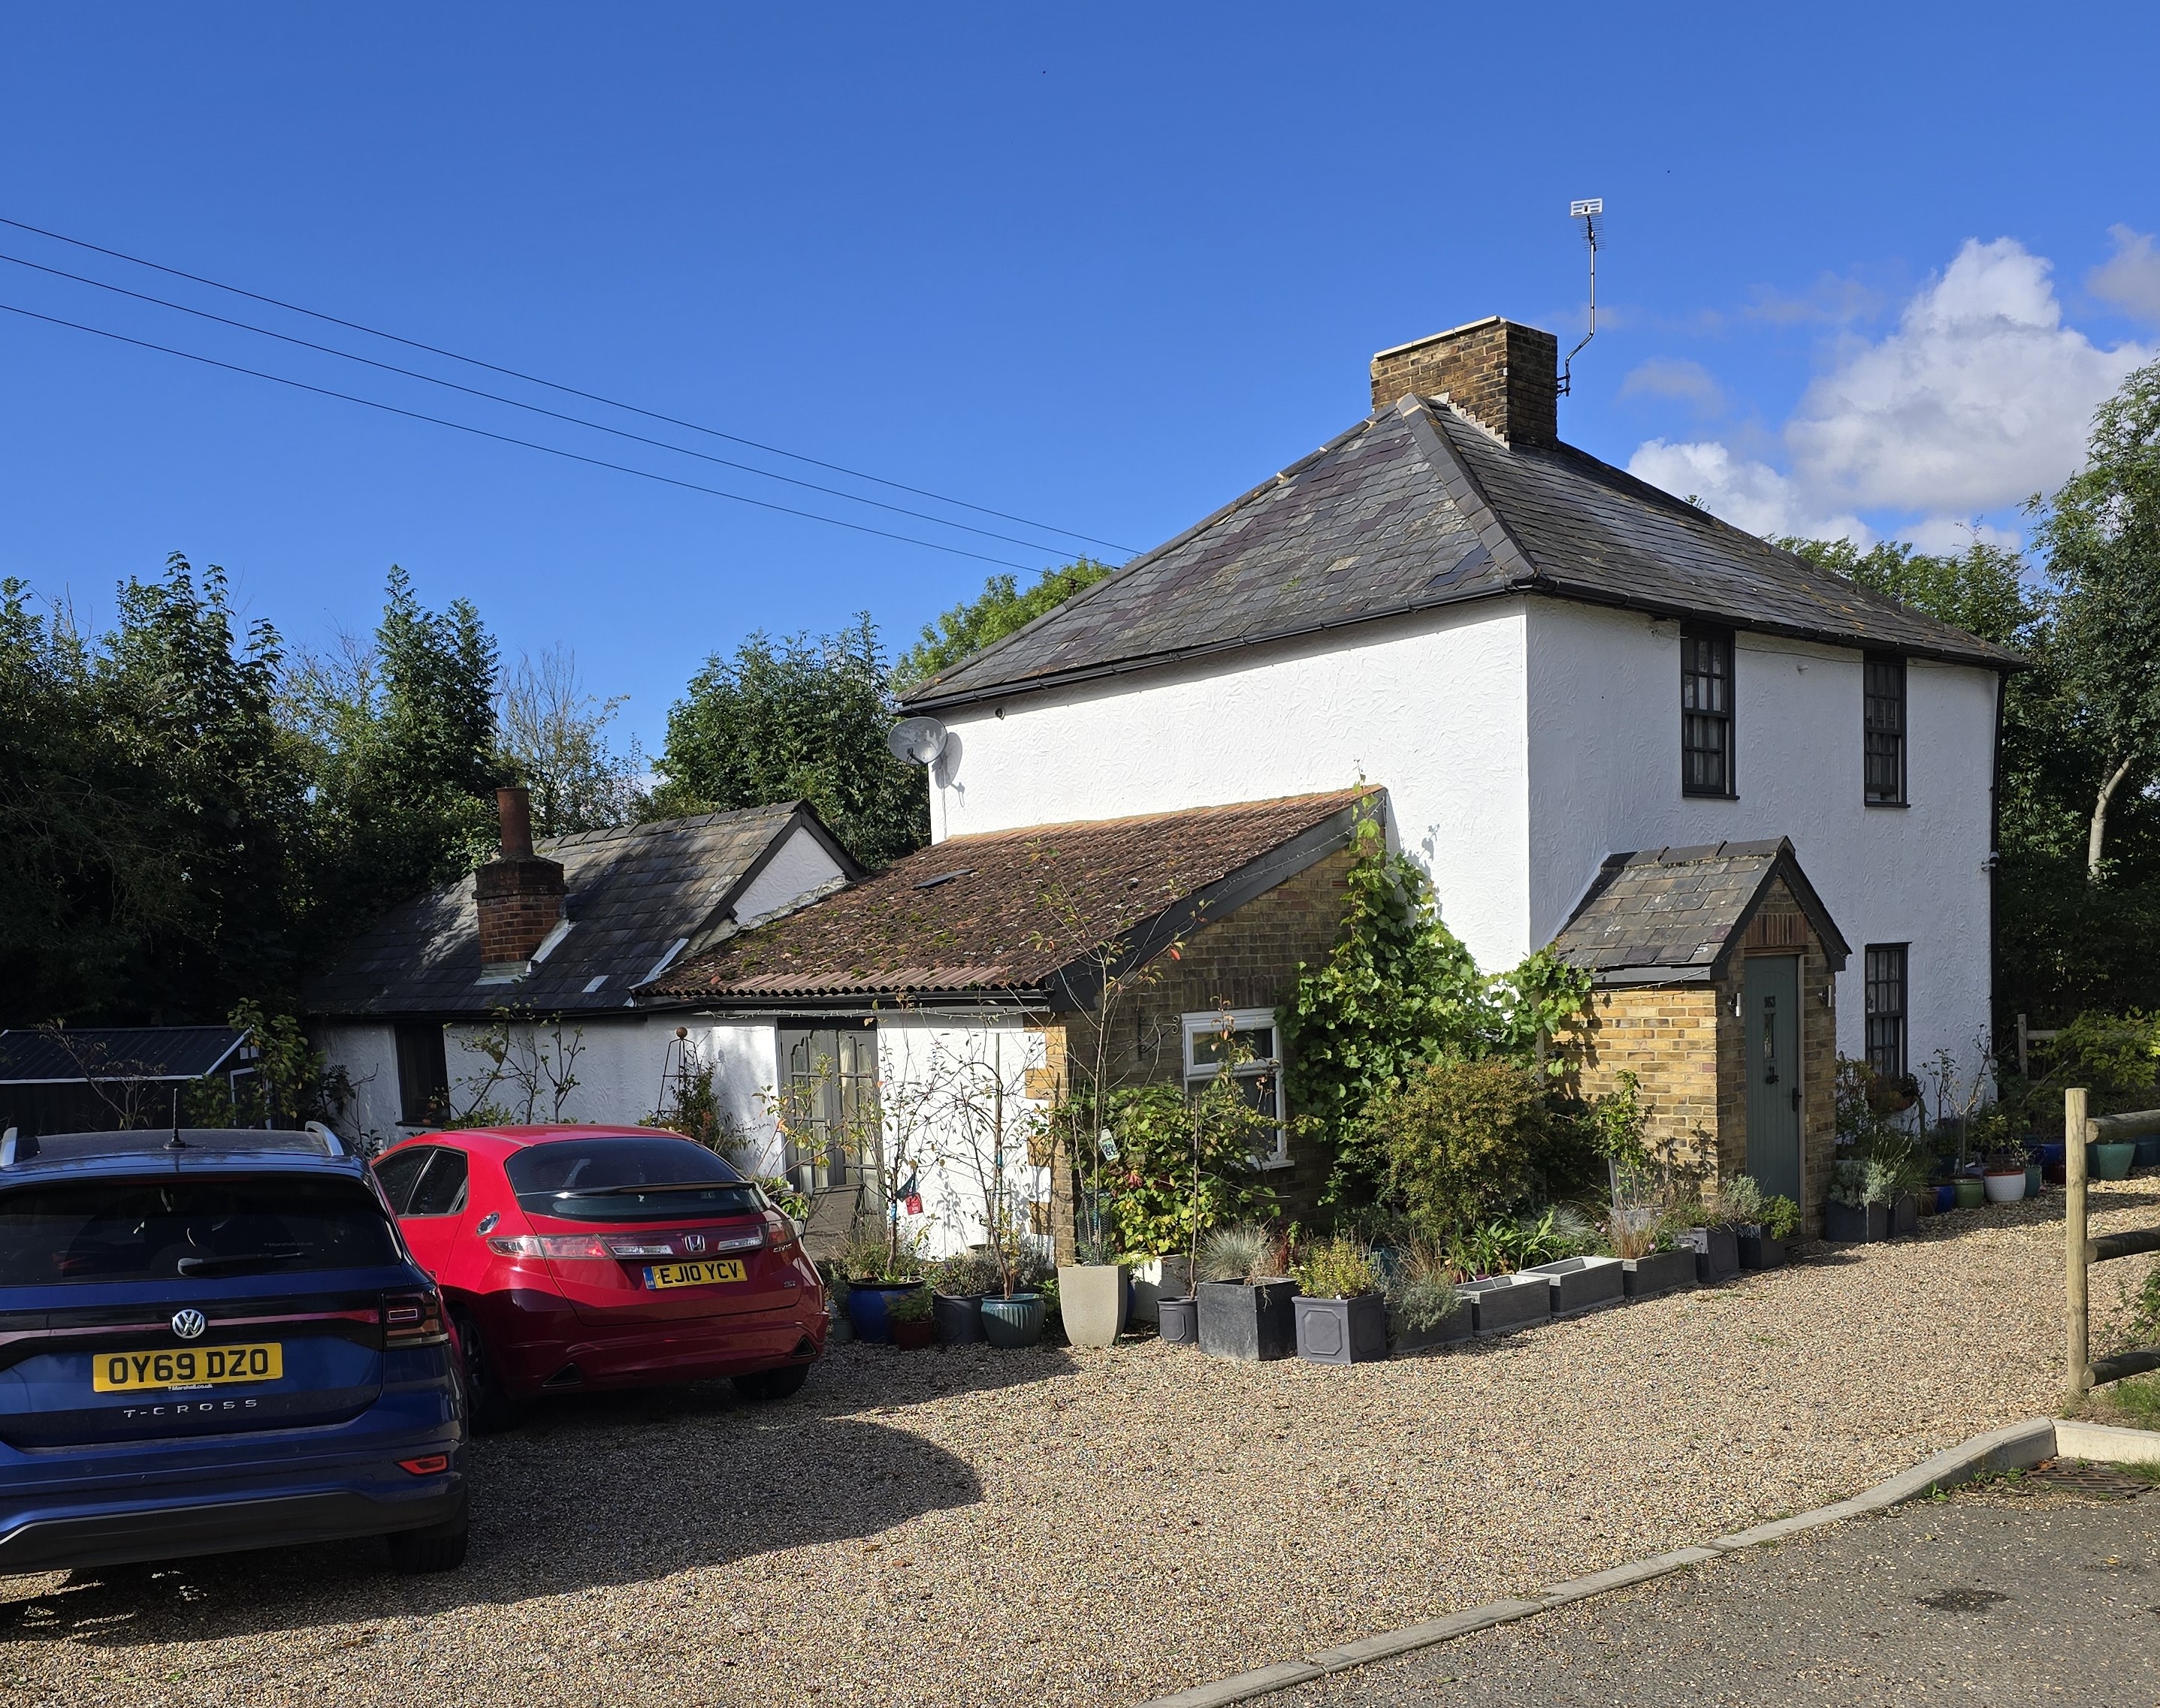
(1431, 708)
(800, 866)
(1604, 778)
(369, 1056)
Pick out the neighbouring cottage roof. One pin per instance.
(1414, 507)
(638, 895)
(1674, 915)
(75, 1054)
(1021, 914)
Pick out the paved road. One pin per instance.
(1996, 1598)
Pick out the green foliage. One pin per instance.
(1155, 1210)
(1338, 1268)
(1503, 1247)
(554, 737)
(1740, 1200)
(1781, 1217)
(291, 1084)
(1857, 1182)
(799, 719)
(964, 1274)
(2114, 1056)
(1466, 1139)
(913, 1306)
(1243, 1251)
(1399, 991)
(1421, 1289)
(997, 611)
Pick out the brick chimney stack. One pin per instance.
(519, 894)
(1501, 374)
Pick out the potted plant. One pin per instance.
(877, 1271)
(1698, 1228)
(1858, 1208)
(1245, 1309)
(2004, 1177)
(1970, 1191)
(1650, 1263)
(1094, 1292)
(1424, 1309)
(1763, 1241)
(2111, 1161)
(1341, 1312)
(958, 1284)
(909, 1316)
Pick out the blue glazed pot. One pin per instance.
(2148, 1153)
(1945, 1198)
(1013, 1322)
(866, 1307)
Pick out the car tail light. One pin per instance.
(413, 1319)
(779, 1230)
(429, 1467)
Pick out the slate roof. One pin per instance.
(1015, 913)
(34, 1058)
(1416, 507)
(1673, 915)
(636, 894)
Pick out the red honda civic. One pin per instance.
(574, 1258)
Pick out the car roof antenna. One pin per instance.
(178, 1142)
(1588, 212)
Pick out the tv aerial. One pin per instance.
(916, 741)
(1590, 211)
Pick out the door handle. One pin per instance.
(1796, 1100)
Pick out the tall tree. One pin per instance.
(2101, 531)
(997, 611)
(554, 734)
(800, 719)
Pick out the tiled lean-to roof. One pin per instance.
(637, 895)
(1416, 507)
(1021, 912)
(1673, 915)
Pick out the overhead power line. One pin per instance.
(568, 390)
(518, 403)
(505, 438)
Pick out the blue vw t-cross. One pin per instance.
(213, 1340)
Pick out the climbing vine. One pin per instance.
(1398, 991)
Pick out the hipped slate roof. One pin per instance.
(78, 1054)
(637, 895)
(1674, 915)
(1016, 913)
(1416, 507)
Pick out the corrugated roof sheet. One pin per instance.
(635, 893)
(1415, 507)
(79, 1052)
(1001, 913)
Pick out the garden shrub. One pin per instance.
(1153, 1209)
(1467, 1140)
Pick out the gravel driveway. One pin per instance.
(965, 1526)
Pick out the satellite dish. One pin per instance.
(916, 741)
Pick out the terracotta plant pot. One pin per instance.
(1092, 1298)
(913, 1337)
(2005, 1186)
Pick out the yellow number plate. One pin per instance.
(694, 1274)
(192, 1367)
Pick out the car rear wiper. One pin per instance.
(225, 1263)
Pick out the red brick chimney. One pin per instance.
(1501, 376)
(519, 894)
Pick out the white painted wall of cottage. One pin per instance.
(799, 867)
(1432, 706)
(1604, 687)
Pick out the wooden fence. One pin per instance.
(2081, 1251)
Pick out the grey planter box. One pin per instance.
(1582, 1283)
(1716, 1254)
(1843, 1223)
(1660, 1273)
(1159, 1278)
(1505, 1302)
(958, 1317)
(1758, 1250)
(1178, 1320)
(1905, 1215)
(1247, 1320)
(1342, 1331)
(1455, 1326)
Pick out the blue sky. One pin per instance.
(1101, 267)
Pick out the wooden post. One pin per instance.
(2079, 1356)
(2024, 1066)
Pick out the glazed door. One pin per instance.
(1770, 1003)
(830, 1106)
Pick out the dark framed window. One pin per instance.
(1882, 721)
(1886, 1009)
(1705, 710)
(423, 1076)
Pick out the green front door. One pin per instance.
(1771, 1003)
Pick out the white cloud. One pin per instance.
(1690, 382)
(1748, 495)
(1980, 397)
(2131, 280)
(1946, 537)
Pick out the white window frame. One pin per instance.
(1198, 1073)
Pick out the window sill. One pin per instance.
(1687, 793)
(1891, 805)
(1277, 1162)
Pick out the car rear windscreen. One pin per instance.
(628, 1180)
(168, 1229)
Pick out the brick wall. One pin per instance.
(1502, 374)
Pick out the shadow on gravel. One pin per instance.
(590, 1492)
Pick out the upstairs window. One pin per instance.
(1706, 710)
(1882, 721)
(1886, 1009)
(1250, 1048)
